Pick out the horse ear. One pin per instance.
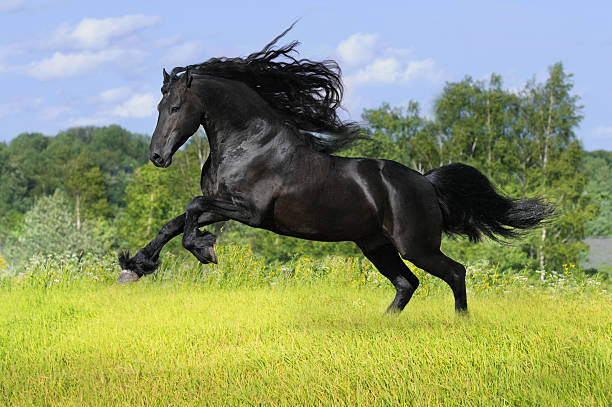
(166, 76)
(188, 78)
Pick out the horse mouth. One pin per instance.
(164, 164)
(160, 162)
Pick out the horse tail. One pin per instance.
(470, 206)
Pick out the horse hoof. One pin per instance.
(213, 254)
(127, 276)
(205, 255)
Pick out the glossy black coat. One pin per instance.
(265, 172)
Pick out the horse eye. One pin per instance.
(174, 109)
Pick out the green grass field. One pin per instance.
(168, 344)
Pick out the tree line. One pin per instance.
(93, 187)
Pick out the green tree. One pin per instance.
(477, 124)
(398, 134)
(13, 193)
(84, 184)
(525, 142)
(598, 164)
(33, 165)
(556, 155)
(24, 156)
(50, 227)
(114, 150)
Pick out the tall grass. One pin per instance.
(240, 267)
(302, 333)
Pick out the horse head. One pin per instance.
(180, 111)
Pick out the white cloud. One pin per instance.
(34, 108)
(53, 112)
(137, 106)
(88, 121)
(425, 69)
(394, 70)
(370, 62)
(167, 41)
(373, 64)
(382, 70)
(9, 52)
(113, 95)
(96, 34)
(358, 48)
(184, 54)
(78, 63)
(118, 102)
(89, 46)
(19, 106)
(9, 6)
(603, 133)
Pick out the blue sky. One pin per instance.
(65, 63)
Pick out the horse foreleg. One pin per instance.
(147, 258)
(202, 211)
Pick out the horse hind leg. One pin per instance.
(447, 269)
(387, 261)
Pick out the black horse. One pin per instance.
(271, 167)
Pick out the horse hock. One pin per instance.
(202, 246)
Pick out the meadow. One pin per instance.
(309, 332)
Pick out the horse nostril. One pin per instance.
(156, 158)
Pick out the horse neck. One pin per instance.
(237, 119)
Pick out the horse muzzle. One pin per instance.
(159, 161)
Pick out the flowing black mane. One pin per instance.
(307, 92)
